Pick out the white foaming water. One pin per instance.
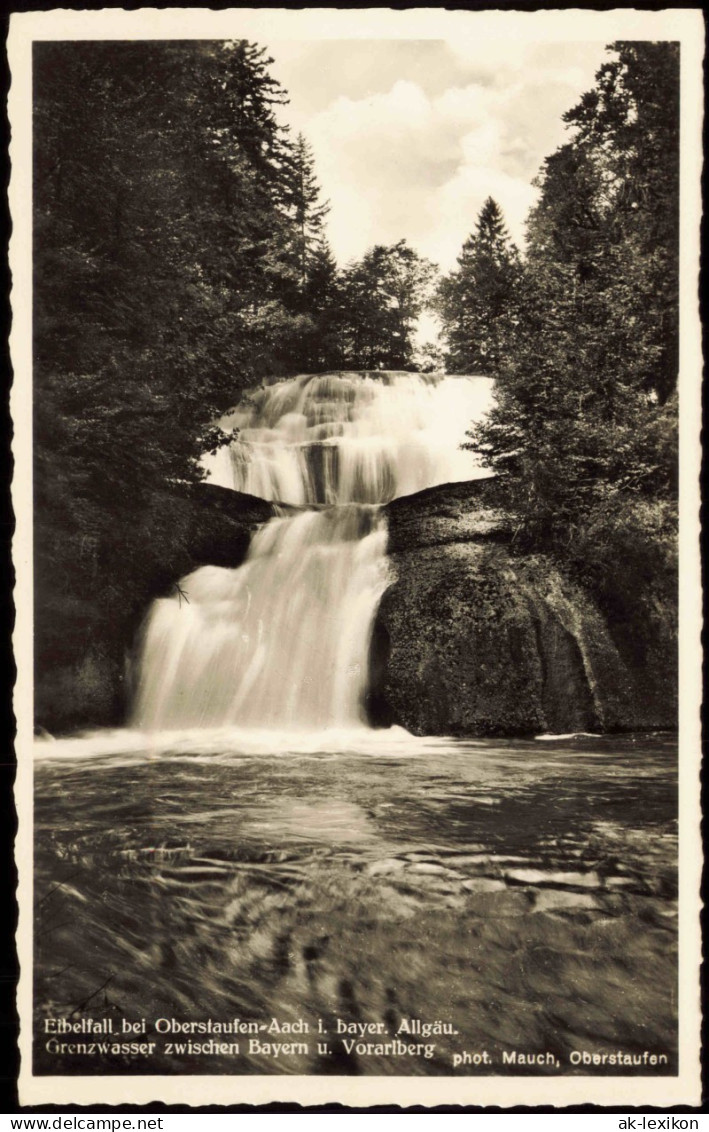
(345, 437)
(124, 746)
(282, 642)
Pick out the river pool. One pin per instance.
(517, 897)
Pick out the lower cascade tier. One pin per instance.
(282, 641)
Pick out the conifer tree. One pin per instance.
(311, 294)
(476, 301)
(306, 208)
(583, 432)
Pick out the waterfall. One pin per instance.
(283, 641)
(351, 438)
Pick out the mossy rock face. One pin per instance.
(471, 639)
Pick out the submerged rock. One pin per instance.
(472, 639)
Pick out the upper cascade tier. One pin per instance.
(351, 437)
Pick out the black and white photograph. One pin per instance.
(356, 402)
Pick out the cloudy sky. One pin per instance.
(411, 136)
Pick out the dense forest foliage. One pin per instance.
(582, 336)
(476, 302)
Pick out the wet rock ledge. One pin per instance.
(472, 639)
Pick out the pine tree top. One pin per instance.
(490, 223)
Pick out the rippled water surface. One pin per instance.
(521, 893)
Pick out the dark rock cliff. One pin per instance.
(81, 647)
(472, 639)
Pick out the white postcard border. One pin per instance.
(683, 25)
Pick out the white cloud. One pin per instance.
(500, 60)
(402, 164)
(407, 147)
